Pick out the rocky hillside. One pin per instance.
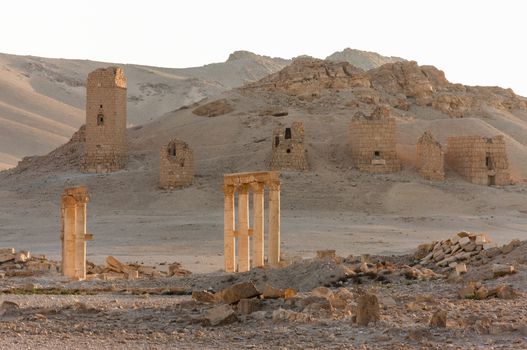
(42, 99)
(362, 59)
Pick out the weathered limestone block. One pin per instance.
(238, 291)
(106, 148)
(176, 165)
(372, 141)
(220, 315)
(368, 309)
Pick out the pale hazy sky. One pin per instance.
(474, 42)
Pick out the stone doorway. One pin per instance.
(492, 180)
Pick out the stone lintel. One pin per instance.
(237, 179)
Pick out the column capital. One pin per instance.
(228, 189)
(258, 186)
(274, 185)
(243, 188)
(68, 201)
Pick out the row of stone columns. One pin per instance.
(74, 235)
(242, 230)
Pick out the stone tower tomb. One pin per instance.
(176, 165)
(480, 160)
(373, 141)
(288, 148)
(106, 141)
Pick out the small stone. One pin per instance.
(238, 291)
(368, 309)
(322, 292)
(204, 297)
(505, 292)
(482, 293)
(22, 256)
(438, 319)
(281, 315)
(328, 254)
(469, 247)
(467, 292)
(289, 293)
(499, 270)
(220, 315)
(248, 306)
(463, 241)
(270, 292)
(8, 308)
(461, 268)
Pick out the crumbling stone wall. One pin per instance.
(176, 165)
(430, 158)
(106, 142)
(372, 141)
(288, 148)
(478, 159)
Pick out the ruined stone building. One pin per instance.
(430, 160)
(372, 141)
(288, 148)
(243, 230)
(106, 141)
(176, 165)
(480, 160)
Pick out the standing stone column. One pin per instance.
(258, 224)
(243, 229)
(274, 223)
(68, 214)
(81, 235)
(228, 228)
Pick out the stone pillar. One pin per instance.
(74, 235)
(274, 223)
(258, 224)
(243, 229)
(228, 228)
(81, 235)
(69, 212)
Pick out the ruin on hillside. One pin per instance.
(176, 165)
(288, 148)
(480, 160)
(430, 158)
(373, 140)
(106, 140)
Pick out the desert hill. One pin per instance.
(353, 211)
(42, 100)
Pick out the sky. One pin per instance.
(473, 42)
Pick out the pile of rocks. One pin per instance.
(114, 269)
(243, 300)
(461, 248)
(22, 263)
